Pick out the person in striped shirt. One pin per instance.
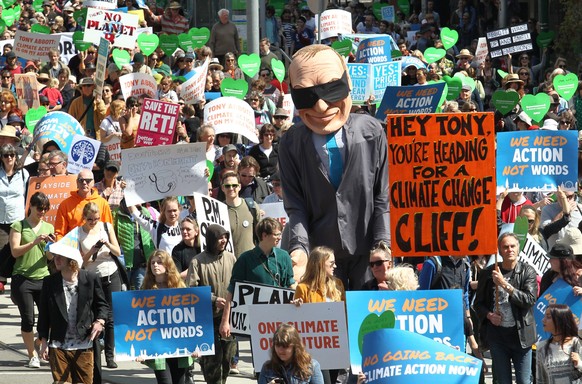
(172, 21)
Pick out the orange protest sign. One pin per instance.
(442, 184)
(57, 189)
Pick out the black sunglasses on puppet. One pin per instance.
(332, 92)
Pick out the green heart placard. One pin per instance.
(395, 53)
(449, 37)
(8, 15)
(199, 36)
(278, 69)
(78, 41)
(40, 29)
(2, 26)
(80, 16)
(404, 6)
(466, 80)
(443, 95)
(120, 57)
(169, 43)
(343, 47)
(210, 166)
(502, 73)
(432, 54)
(17, 12)
(37, 5)
(185, 42)
(33, 116)
(536, 106)
(234, 88)
(377, 10)
(454, 87)
(544, 39)
(147, 43)
(373, 322)
(249, 64)
(521, 228)
(8, 3)
(566, 85)
(504, 101)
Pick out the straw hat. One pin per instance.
(9, 131)
(465, 53)
(573, 238)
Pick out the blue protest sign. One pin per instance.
(160, 323)
(388, 13)
(537, 160)
(361, 77)
(374, 50)
(385, 75)
(357, 38)
(400, 357)
(407, 61)
(60, 127)
(437, 314)
(412, 99)
(558, 293)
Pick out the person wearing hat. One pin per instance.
(12, 64)
(48, 11)
(111, 187)
(214, 65)
(87, 109)
(224, 37)
(464, 59)
(9, 135)
(563, 262)
(425, 40)
(139, 65)
(70, 289)
(280, 119)
(187, 68)
(277, 195)
(172, 22)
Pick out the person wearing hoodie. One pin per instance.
(213, 267)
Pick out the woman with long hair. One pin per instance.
(231, 68)
(265, 152)
(290, 363)
(7, 102)
(558, 358)
(165, 232)
(110, 126)
(380, 262)
(28, 238)
(65, 87)
(533, 219)
(563, 264)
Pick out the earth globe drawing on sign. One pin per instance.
(83, 151)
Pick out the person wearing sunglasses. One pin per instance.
(380, 263)
(326, 207)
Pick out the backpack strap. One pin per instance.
(159, 233)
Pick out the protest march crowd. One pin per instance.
(155, 156)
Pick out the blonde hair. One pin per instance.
(316, 277)
(401, 278)
(168, 200)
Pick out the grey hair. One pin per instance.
(223, 10)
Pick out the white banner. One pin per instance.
(322, 327)
(229, 114)
(102, 4)
(211, 211)
(137, 84)
(481, 52)
(153, 173)
(82, 153)
(193, 89)
(334, 22)
(66, 46)
(247, 296)
(34, 46)
(119, 28)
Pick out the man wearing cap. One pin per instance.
(12, 64)
(326, 206)
(425, 39)
(111, 187)
(224, 37)
(277, 195)
(187, 71)
(171, 22)
(280, 120)
(48, 11)
(506, 295)
(87, 109)
(139, 65)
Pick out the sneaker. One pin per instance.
(234, 369)
(34, 362)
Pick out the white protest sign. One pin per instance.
(34, 46)
(119, 28)
(102, 4)
(229, 114)
(103, 53)
(334, 22)
(137, 84)
(481, 52)
(322, 327)
(152, 173)
(411, 38)
(66, 46)
(211, 211)
(82, 153)
(533, 254)
(247, 296)
(277, 212)
(289, 106)
(192, 90)
(114, 148)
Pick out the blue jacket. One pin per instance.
(267, 374)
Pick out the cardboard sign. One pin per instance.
(26, 91)
(558, 293)
(436, 314)
(276, 211)
(399, 357)
(211, 211)
(152, 173)
(34, 46)
(334, 22)
(537, 160)
(385, 75)
(157, 123)
(411, 99)
(229, 114)
(374, 50)
(119, 28)
(60, 127)
(288, 105)
(82, 153)
(357, 38)
(249, 295)
(163, 323)
(102, 54)
(137, 84)
(192, 91)
(509, 40)
(56, 188)
(442, 184)
(481, 52)
(322, 327)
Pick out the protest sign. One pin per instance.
(114, 148)
(334, 22)
(388, 13)
(211, 211)
(249, 295)
(56, 188)
(163, 323)
(82, 153)
(192, 91)
(34, 46)
(412, 99)
(102, 54)
(537, 160)
(361, 76)
(59, 127)
(558, 293)
(442, 184)
(509, 40)
(400, 357)
(372, 79)
(322, 327)
(288, 105)
(157, 123)
(137, 84)
(385, 75)
(357, 38)
(26, 91)
(119, 28)
(101, 4)
(276, 211)
(481, 52)
(66, 46)
(436, 314)
(152, 173)
(229, 114)
(535, 255)
(374, 50)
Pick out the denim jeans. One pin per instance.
(504, 351)
(136, 276)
